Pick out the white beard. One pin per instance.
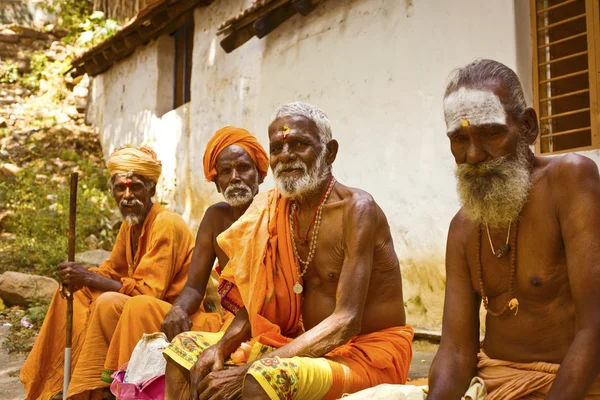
(239, 199)
(299, 187)
(494, 192)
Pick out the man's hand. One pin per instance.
(74, 274)
(224, 384)
(211, 360)
(176, 321)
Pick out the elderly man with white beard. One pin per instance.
(150, 258)
(313, 281)
(525, 244)
(237, 164)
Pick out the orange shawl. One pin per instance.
(261, 271)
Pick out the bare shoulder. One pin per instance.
(571, 171)
(458, 232)
(213, 216)
(217, 210)
(359, 205)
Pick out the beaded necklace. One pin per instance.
(298, 288)
(513, 303)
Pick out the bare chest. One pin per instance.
(325, 251)
(535, 266)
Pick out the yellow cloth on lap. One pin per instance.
(293, 378)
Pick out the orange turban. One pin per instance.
(240, 137)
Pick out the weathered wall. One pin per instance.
(377, 67)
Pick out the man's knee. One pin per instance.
(136, 304)
(252, 389)
(110, 302)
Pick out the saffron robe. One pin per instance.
(158, 269)
(260, 276)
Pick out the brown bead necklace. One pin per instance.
(513, 304)
(298, 288)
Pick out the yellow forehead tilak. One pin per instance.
(285, 131)
(464, 122)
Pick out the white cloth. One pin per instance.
(147, 359)
(387, 392)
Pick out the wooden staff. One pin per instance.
(71, 257)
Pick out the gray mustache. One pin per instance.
(292, 165)
(237, 186)
(130, 203)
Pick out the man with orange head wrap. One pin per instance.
(150, 258)
(236, 162)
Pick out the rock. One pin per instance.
(72, 112)
(19, 289)
(7, 237)
(3, 123)
(8, 169)
(57, 52)
(92, 257)
(91, 241)
(80, 106)
(8, 36)
(24, 31)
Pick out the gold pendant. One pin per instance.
(513, 304)
(298, 288)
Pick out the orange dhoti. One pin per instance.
(95, 315)
(158, 269)
(512, 380)
(145, 314)
(260, 277)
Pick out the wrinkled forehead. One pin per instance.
(232, 155)
(292, 124)
(472, 107)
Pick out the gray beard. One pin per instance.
(310, 181)
(131, 218)
(494, 192)
(134, 219)
(239, 199)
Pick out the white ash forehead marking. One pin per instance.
(468, 107)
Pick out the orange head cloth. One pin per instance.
(139, 160)
(240, 137)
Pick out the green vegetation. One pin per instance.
(47, 140)
(84, 27)
(9, 73)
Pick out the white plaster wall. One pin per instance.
(377, 67)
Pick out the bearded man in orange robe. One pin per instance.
(313, 280)
(151, 257)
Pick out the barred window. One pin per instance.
(566, 74)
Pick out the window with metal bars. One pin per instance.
(566, 74)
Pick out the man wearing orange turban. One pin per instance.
(150, 259)
(237, 163)
(227, 136)
(313, 280)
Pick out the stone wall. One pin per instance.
(24, 12)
